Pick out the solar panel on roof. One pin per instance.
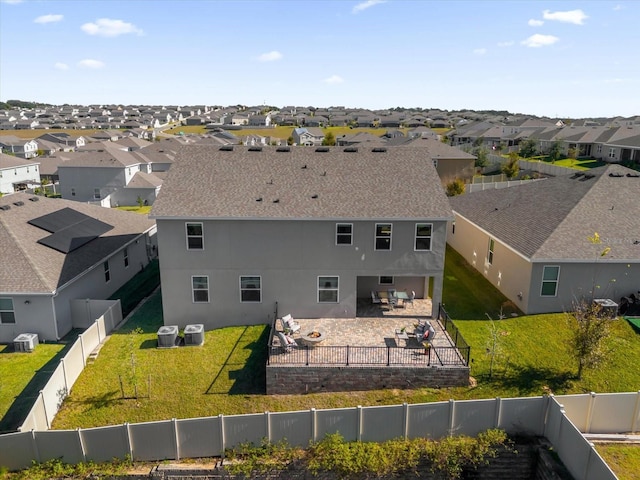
(69, 229)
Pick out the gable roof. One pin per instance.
(552, 219)
(28, 266)
(280, 183)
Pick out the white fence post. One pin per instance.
(81, 442)
(452, 408)
(128, 440)
(176, 441)
(44, 407)
(498, 412)
(636, 413)
(84, 356)
(223, 443)
(34, 446)
(405, 420)
(592, 401)
(267, 426)
(359, 423)
(314, 425)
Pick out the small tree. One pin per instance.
(329, 139)
(455, 187)
(587, 340)
(555, 152)
(528, 148)
(290, 141)
(139, 201)
(481, 157)
(511, 168)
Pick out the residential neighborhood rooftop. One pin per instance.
(302, 183)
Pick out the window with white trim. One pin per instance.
(7, 314)
(599, 148)
(383, 236)
(328, 289)
(550, 277)
(423, 236)
(125, 254)
(251, 289)
(107, 272)
(385, 280)
(612, 153)
(195, 236)
(344, 233)
(492, 245)
(200, 288)
(96, 193)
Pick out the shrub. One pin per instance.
(455, 187)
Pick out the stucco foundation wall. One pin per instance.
(290, 380)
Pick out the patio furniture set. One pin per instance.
(290, 327)
(392, 298)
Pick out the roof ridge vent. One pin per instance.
(226, 148)
(379, 150)
(322, 149)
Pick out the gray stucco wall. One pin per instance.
(289, 256)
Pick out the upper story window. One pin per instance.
(490, 249)
(7, 314)
(344, 233)
(550, 277)
(423, 236)
(383, 236)
(328, 289)
(96, 193)
(195, 236)
(251, 289)
(107, 272)
(200, 289)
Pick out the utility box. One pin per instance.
(609, 307)
(194, 334)
(25, 342)
(168, 336)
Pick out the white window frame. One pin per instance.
(107, 271)
(350, 234)
(599, 148)
(7, 316)
(556, 281)
(329, 289)
(491, 247)
(248, 289)
(376, 237)
(125, 257)
(96, 194)
(200, 236)
(430, 237)
(612, 152)
(380, 282)
(194, 289)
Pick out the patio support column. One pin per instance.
(436, 299)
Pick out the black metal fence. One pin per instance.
(348, 355)
(456, 337)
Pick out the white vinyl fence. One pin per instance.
(559, 419)
(59, 385)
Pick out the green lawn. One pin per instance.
(23, 375)
(623, 459)
(577, 164)
(144, 210)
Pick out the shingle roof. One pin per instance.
(553, 218)
(207, 182)
(27, 266)
(144, 180)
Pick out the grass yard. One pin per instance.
(623, 459)
(22, 376)
(144, 210)
(577, 164)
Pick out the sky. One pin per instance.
(546, 58)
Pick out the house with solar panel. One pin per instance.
(56, 253)
(549, 243)
(247, 232)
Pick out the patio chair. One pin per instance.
(409, 300)
(288, 323)
(286, 342)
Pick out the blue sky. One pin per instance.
(547, 58)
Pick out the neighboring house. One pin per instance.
(18, 146)
(248, 232)
(17, 174)
(260, 120)
(307, 136)
(55, 251)
(532, 241)
(101, 176)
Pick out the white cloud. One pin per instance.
(480, 51)
(577, 17)
(107, 27)
(51, 18)
(61, 66)
(270, 56)
(535, 23)
(11, 2)
(506, 44)
(91, 63)
(618, 8)
(333, 80)
(539, 40)
(366, 4)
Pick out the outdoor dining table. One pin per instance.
(402, 295)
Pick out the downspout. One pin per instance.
(55, 316)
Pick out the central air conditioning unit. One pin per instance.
(194, 334)
(167, 336)
(25, 342)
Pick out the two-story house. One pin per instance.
(17, 173)
(246, 232)
(307, 136)
(18, 146)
